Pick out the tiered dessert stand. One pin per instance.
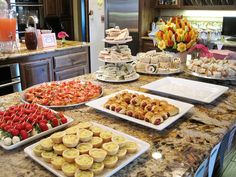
(117, 63)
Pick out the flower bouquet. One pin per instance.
(176, 35)
(62, 35)
(200, 50)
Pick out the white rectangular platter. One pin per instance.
(184, 108)
(142, 148)
(188, 89)
(32, 138)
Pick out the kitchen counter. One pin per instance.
(183, 145)
(24, 55)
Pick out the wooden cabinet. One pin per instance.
(65, 8)
(57, 8)
(36, 72)
(58, 65)
(62, 9)
(71, 65)
(71, 72)
(50, 8)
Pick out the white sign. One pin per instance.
(49, 40)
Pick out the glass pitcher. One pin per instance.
(7, 30)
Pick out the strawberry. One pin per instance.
(14, 132)
(43, 126)
(28, 126)
(19, 127)
(63, 120)
(55, 122)
(24, 134)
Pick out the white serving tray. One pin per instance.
(142, 147)
(118, 61)
(117, 42)
(187, 89)
(118, 81)
(22, 96)
(32, 138)
(184, 108)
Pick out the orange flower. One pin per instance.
(162, 45)
(181, 47)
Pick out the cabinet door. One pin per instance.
(65, 8)
(50, 8)
(36, 72)
(72, 72)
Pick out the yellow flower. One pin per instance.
(180, 32)
(161, 45)
(181, 47)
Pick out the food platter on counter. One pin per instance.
(118, 42)
(141, 147)
(183, 108)
(186, 89)
(136, 77)
(92, 84)
(118, 61)
(33, 137)
(208, 77)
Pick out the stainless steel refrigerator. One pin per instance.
(124, 13)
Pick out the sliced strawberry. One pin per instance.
(43, 126)
(24, 134)
(55, 122)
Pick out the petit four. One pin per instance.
(57, 137)
(111, 148)
(97, 154)
(84, 148)
(47, 156)
(120, 140)
(69, 169)
(47, 144)
(122, 152)
(84, 162)
(59, 148)
(84, 173)
(70, 140)
(57, 162)
(70, 154)
(110, 161)
(131, 147)
(84, 125)
(38, 150)
(96, 142)
(84, 135)
(97, 168)
(106, 136)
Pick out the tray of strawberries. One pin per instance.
(24, 123)
(62, 94)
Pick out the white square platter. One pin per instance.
(184, 108)
(187, 89)
(142, 148)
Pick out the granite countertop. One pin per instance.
(60, 47)
(183, 145)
